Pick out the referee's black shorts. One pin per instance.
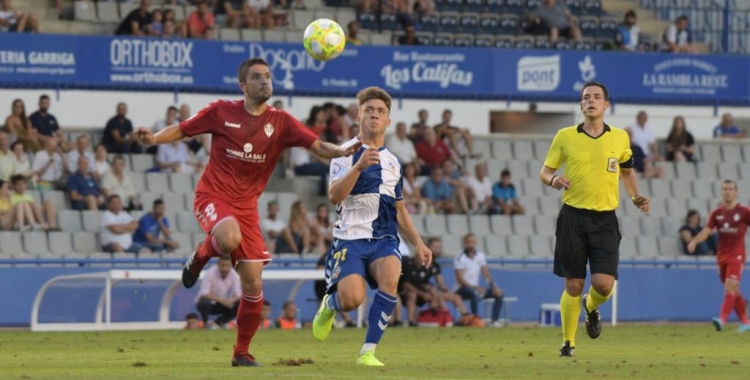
(585, 235)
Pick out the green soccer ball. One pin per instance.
(324, 39)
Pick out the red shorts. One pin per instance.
(211, 210)
(731, 270)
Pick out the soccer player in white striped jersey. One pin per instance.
(366, 189)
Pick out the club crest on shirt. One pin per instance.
(268, 128)
(612, 165)
(736, 217)
(247, 147)
(335, 169)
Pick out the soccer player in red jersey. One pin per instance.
(248, 137)
(730, 219)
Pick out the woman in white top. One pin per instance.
(260, 14)
(21, 163)
(321, 229)
(100, 164)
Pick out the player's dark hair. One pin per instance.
(158, 202)
(373, 92)
(732, 182)
(44, 97)
(17, 178)
(596, 84)
(225, 257)
(246, 65)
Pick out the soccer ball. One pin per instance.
(324, 39)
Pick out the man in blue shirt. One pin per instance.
(118, 134)
(45, 123)
(504, 197)
(438, 192)
(83, 190)
(151, 226)
(727, 129)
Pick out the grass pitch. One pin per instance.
(625, 352)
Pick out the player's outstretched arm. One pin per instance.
(700, 238)
(407, 229)
(328, 150)
(630, 181)
(167, 135)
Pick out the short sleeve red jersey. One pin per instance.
(244, 148)
(731, 224)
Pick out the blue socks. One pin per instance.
(333, 301)
(380, 313)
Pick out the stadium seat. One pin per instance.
(608, 28)
(474, 6)
(710, 152)
(35, 242)
(453, 6)
(523, 225)
(530, 204)
(380, 39)
(157, 182)
(508, 24)
(545, 225)
(85, 242)
(589, 26)
(706, 170)
(368, 21)
(524, 42)
(574, 6)
(518, 170)
(489, 23)
(496, 246)
(731, 153)
(480, 225)
(541, 147)
(744, 172)
(495, 6)
(484, 41)
(501, 225)
(251, 35)
(451, 244)
(435, 225)
(180, 183)
(185, 241)
(126, 8)
(228, 34)
(542, 42)
(518, 246)
(676, 206)
(141, 162)
(179, 11)
(285, 204)
(458, 224)
(60, 243)
(502, 150)
(516, 7)
(746, 152)
(728, 170)
(172, 202)
(699, 204)
(84, 11)
(681, 188)
(540, 246)
(389, 22)
(428, 23)
(629, 226)
(628, 248)
(147, 199)
(650, 225)
(443, 39)
(685, 170)
(584, 44)
(92, 220)
(657, 207)
(69, 220)
(301, 18)
(549, 205)
(670, 225)
(532, 187)
(186, 222)
(449, 22)
(424, 38)
(345, 15)
(523, 150)
(669, 246)
(10, 242)
(197, 237)
(274, 36)
(504, 42)
(107, 11)
(469, 23)
(659, 187)
(647, 247)
(563, 45)
(702, 188)
(592, 7)
(418, 221)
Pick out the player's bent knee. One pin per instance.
(252, 286)
(349, 301)
(574, 286)
(229, 238)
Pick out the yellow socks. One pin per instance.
(595, 299)
(570, 311)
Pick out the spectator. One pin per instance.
(432, 152)
(200, 21)
(394, 7)
(643, 164)
(438, 194)
(170, 31)
(28, 213)
(321, 286)
(295, 238)
(192, 322)
(118, 134)
(19, 127)
(82, 188)
(100, 164)
(339, 125)
(175, 158)
(116, 182)
(505, 200)
(628, 33)
(411, 191)
(460, 190)
(288, 318)
(409, 37)
(82, 149)
(45, 124)
(554, 17)
(7, 211)
(693, 227)
(265, 316)
(173, 28)
(308, 164)
(321, 229)
(156, 27)
(644, 138)
(7, 161)
(170, 119)
(418, 289)
(13, 21)
(351, 116)
(727, 129)
(196, 142)
(420, 7)
(351, 37)
(152, 225)
(21, 163)
(480, 189)
(232, 13)
(136, 22)
(680, 142)
(219, 294)
(48, 166)
(469, 265)
(417, 129)
(446, 131)
(272, 226)
(260, 14)
(401, 146)
(677, 38)
(117, 229)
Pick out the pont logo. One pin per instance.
(541, 74)
(151, 53)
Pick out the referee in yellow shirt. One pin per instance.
(595, 156)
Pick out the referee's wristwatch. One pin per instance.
(632, 199)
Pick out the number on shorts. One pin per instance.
(339, 256)
(210, 212)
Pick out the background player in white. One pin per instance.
(366, 190)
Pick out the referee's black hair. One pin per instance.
(596, 84)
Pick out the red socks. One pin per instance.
(210, 248)
(727, 306)
(248, 320)
(740, 307)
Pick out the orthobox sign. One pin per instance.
(539, 74)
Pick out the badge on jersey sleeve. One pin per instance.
(612, 165)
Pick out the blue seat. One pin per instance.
(607, 28)
(368, 20)
(428, 23)
(542, 42)
(602, 44)
(508, 25)
(424, 38)
(390, 22)
(563, 45)
(489, 24)
(474, 6)
(463, 40)
(574, 6)
(495, 6)
(504, 42)
(483, 40)
(583, 45)
(454, 5)
(449, 22)
(469, 23)
(592, 8)
(524, 43)
(515, 7)
(589, 26)
(443, 40)
(532, 5)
